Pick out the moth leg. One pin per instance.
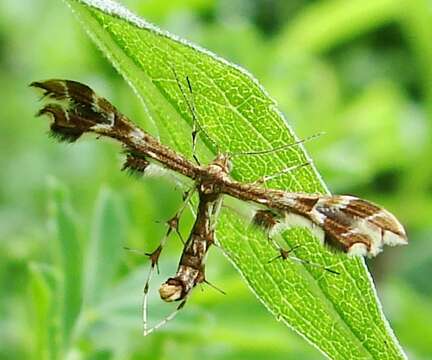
(283, 253)
(167, 319)
(288, 254)
(154, 256)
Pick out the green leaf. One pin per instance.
(327, 23)
(45, 345)
(340, 315)
(69, 257)
(104, 252)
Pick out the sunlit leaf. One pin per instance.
(340, 315)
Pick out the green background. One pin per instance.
(357, 70)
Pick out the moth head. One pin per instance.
(223, 161)
(172, 290)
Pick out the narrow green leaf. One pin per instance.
(324, 24)
(104, 252)
(70, 263)
(340, 315)
(42, 313)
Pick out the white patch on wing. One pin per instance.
(111, 118)
(389, 237)
(136, 134)
(289, 199)
(358, 249)
(390, 233)
(362, 226)
(66, 91)
(295, 220)
(95, 106)
(393, 239)
(317, 217)
(379, 214)
(329, 202)
(101, 127)
(375, 250)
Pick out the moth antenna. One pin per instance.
(264, 179)
(194, 120)
(279, 148)
(196, 125)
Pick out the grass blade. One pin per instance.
(69, 257)
(105, 246)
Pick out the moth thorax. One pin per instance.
(171, 290)
(209, 188)
(221, 164)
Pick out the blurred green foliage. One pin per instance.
(357, 70)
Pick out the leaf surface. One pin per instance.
(340, 315)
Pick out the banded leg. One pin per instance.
(285, 254)
(167, 319)
(154, 256)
